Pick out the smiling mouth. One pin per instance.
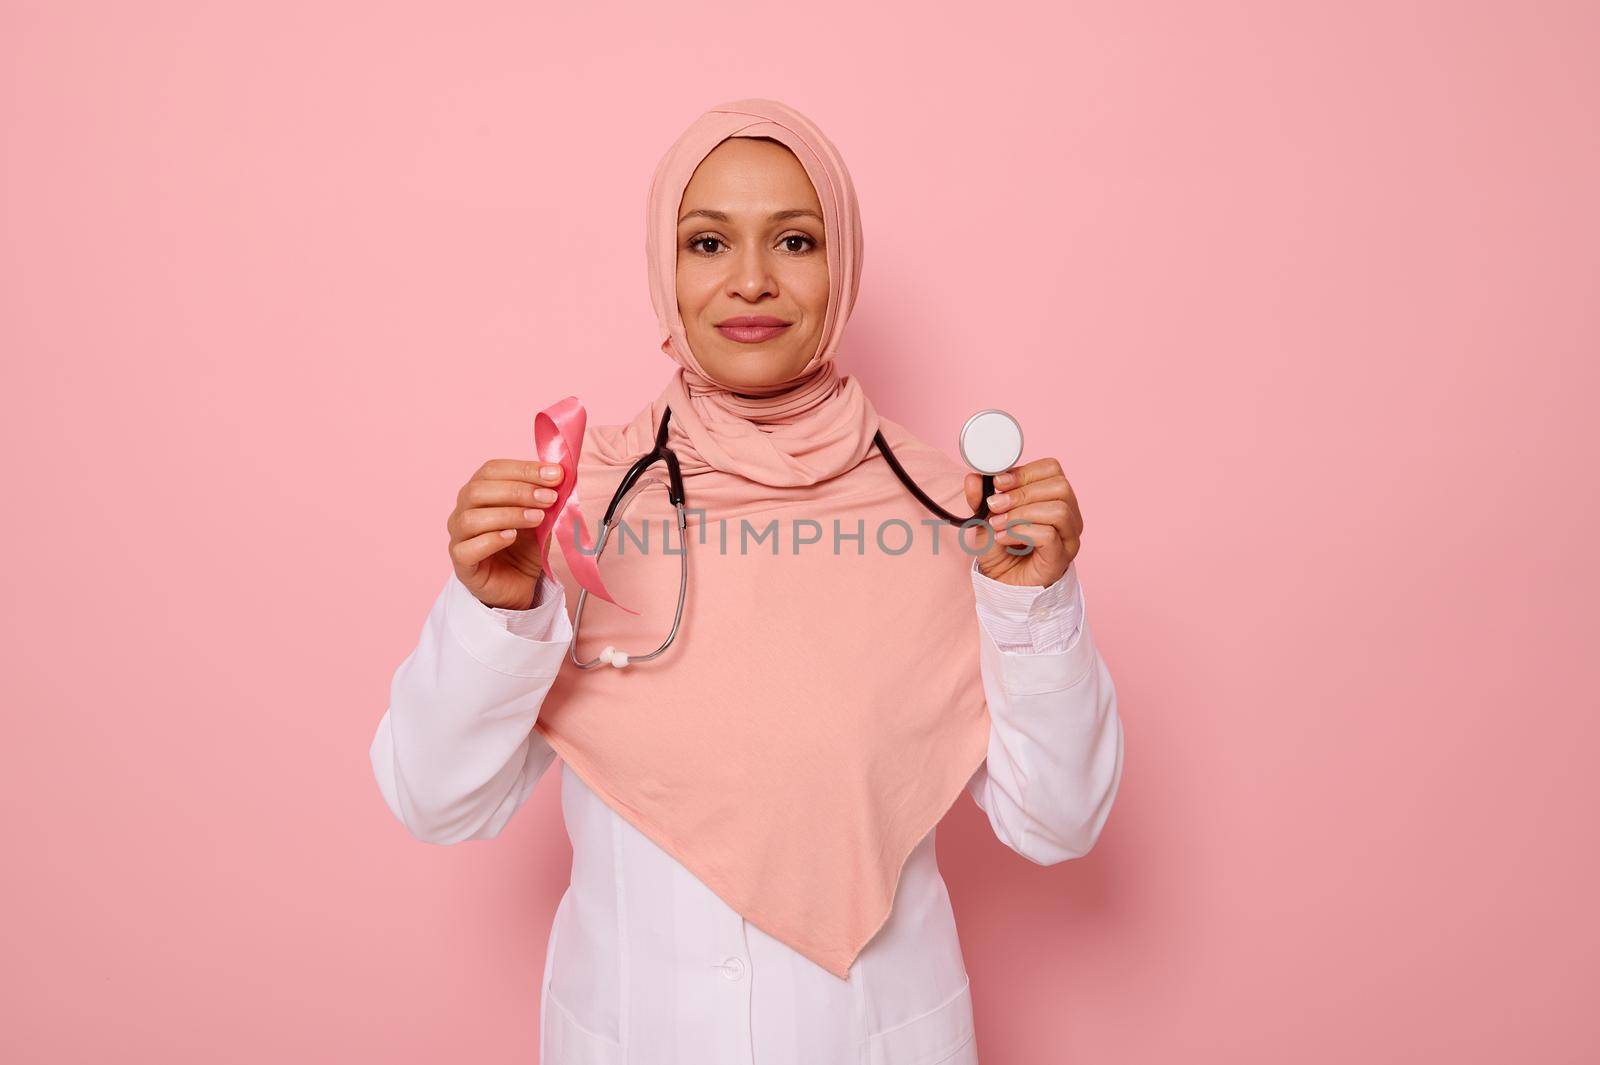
(752, 330)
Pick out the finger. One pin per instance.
(1038, 491)
(470, 552)
(1053, 513)
(479, 493)
(470, 523)
(1031, 536)
(1037, 470)
(519, 470)
(1036, 532)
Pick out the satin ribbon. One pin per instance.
(558, 440)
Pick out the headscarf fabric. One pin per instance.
(821, 707)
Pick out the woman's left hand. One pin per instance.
(1033, 505)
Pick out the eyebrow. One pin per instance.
(775, 216)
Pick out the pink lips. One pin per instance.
(751, 329)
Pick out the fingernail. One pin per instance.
(533, 515)
(544, 495)
(509, 534)
(997, 521)
(550, 473)
(998, 500)
(1005, 480)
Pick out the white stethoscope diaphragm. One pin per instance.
(991, 441)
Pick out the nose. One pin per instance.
(752, 277)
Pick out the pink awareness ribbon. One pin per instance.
(558, 441)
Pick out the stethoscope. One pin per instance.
(990, 443)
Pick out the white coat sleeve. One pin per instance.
(456, 754)
(1055, 740)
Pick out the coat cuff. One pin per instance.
(1027, 619)
(538, 622)
(520, 643)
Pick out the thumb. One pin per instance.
(974, 487)
(981, 535)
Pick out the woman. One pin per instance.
(752, 813)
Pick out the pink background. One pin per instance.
(1303, 296)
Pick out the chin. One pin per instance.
(751, 366)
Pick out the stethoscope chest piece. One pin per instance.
(991, 441)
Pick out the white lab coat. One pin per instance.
(645, 964)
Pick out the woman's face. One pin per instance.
(750, 245)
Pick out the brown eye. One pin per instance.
(806, 243)
(698, 245)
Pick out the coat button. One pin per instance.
(733, 968)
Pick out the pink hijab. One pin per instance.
(821, 707)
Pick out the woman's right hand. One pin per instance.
(491, 530)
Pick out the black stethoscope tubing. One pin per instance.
(675, 493)
(662, 453)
